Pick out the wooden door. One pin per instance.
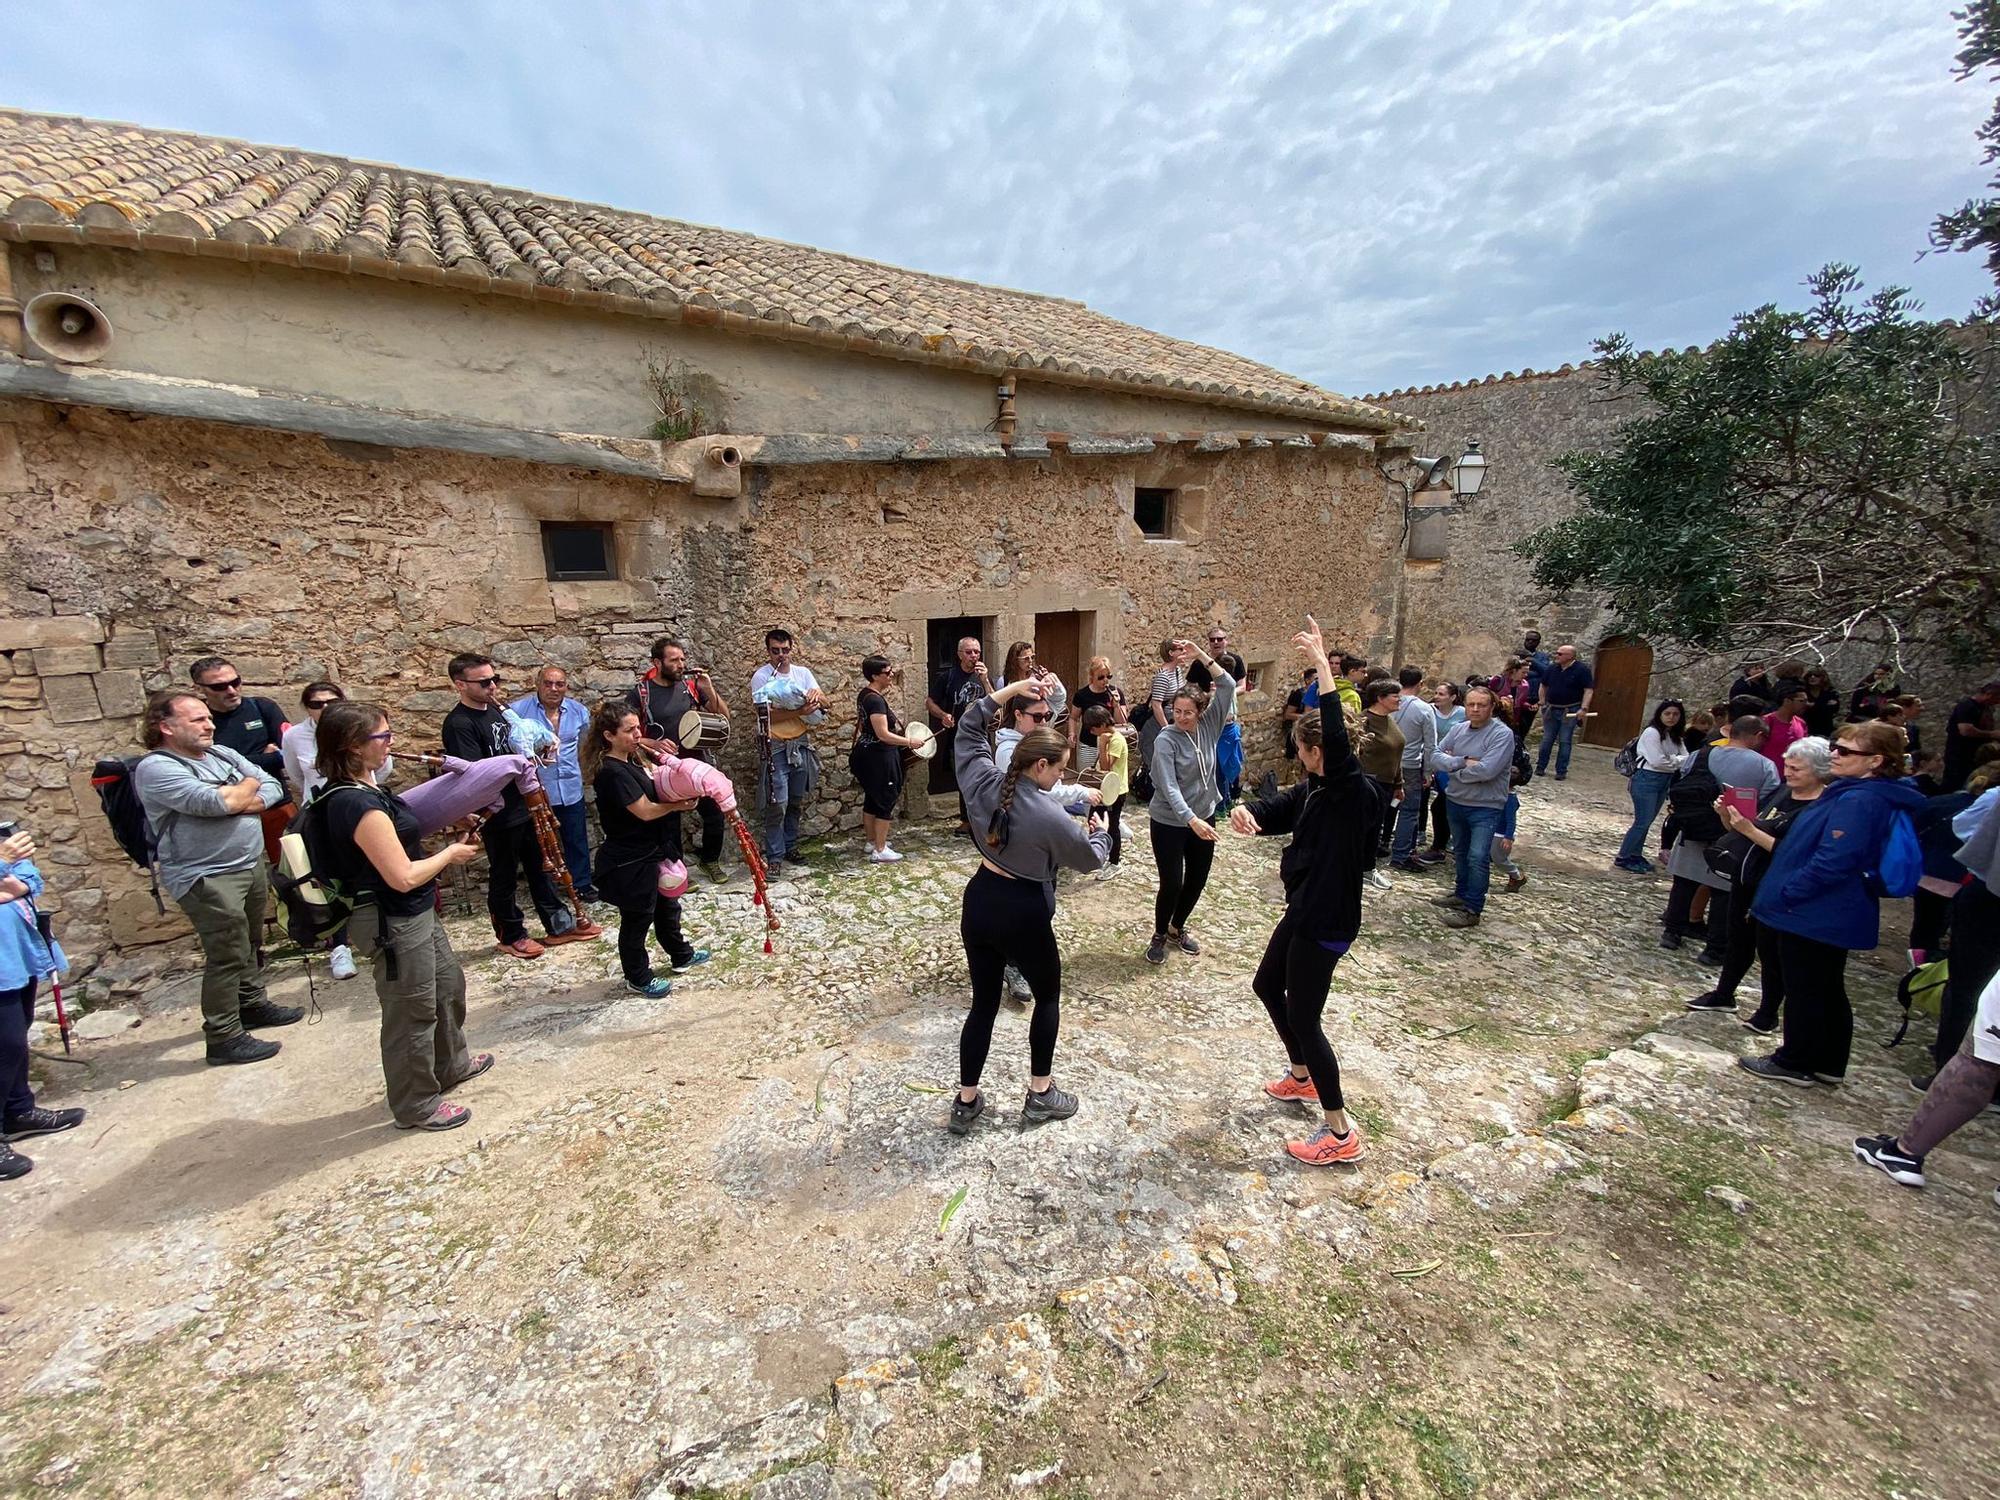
(1624, 673)
(1059, 646)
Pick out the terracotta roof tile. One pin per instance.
(183, 192)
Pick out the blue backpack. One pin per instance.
(1901, 863)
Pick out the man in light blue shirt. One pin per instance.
(550, 707)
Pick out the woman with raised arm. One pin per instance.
(1009, 909)
(375, 852)
(1184, 798)
(1333, 845)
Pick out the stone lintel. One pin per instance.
(40, 632)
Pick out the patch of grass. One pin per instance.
(536, 1324)
(941, 1360)
(1444, 1458)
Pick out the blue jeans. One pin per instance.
(1649, 792)
(575, 842)
(1472, 830)
(1558, 724)
(1410, 816)
(793, 774)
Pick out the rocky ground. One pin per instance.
(721, 1244)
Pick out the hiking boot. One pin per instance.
(695, 959)
(1923, 1084)
(1460, 916)
(241, 1048)
(713, 870)
(1324, 1149)
(1515, 880)
(1670, 940)
(341, 961)
(793, 857)
(652, 989)
(1156, 951)
(1291, 1086)
(1760, 1023)
(1709, 1000)
(261, 1015)
(963, 1114)
(1050, 1104)
(482, 1062)
(1018, 987)
(525, 947)
(444, 1117)
(1882, 1151)
(1770, 1068)
(1451, 902)
(13, 1164)
(1183, 942)
(31, 1122)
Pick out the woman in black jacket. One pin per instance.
(1333, 845)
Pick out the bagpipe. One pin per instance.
(465, 789)
(678, 779)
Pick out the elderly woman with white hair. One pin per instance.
(1744, 851)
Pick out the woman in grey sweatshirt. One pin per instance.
(1008, 913)
(1184, 797)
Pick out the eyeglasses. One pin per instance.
(221, 687)
(1840, 749)
(481, 681)
(385, 736)
(322, 702)
(1038, 718)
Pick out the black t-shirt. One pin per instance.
(871, 702)
(1199, 675)
(1296, 698)
(664, 705)
(954, 688)
(248, 728)
(1959, 749)
(1084, 699)
(1760, 687)
(345, 804)
(618, 785)
(481, 734)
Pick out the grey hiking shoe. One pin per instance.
(1051, 1104)
(963, 1114)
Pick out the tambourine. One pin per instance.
(702, 731)
(926, 745)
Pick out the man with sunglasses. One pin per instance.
(792, 771)
(477, 729)
(254, 728)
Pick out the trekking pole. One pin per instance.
(45, 925)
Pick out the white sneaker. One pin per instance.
(1106, 871)
(341, 961)
(889, 856)
(1380, 881)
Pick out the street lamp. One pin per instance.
(1469, 472)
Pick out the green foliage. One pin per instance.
(1810, 478)
(1976, 224)
(673, 386)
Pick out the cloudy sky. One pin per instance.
(1368, 193)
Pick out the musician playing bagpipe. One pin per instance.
(476, 730)
(681, 714)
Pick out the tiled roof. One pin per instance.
(70, 179)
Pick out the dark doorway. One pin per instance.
(942, 641)
(1624, 672)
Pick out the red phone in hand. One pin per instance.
(1744, 802)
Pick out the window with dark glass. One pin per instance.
(577, 552)
(1153, 509)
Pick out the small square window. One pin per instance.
(577, 553)
(1154, 511)
(1257, 674)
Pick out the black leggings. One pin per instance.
(1184, 857)
(1292, 981)
(1750, 941)
(1819, 1019)
(1930, 919)
(1111, 827)
(1006, 922)
(662, 917)
(1440, 824)
(1975, 956)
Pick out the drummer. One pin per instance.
(877, 757)
(664, 699)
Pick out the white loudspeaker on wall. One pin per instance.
(67, 327)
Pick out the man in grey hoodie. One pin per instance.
(203, 801)
(1478, 754)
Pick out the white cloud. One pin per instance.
(1364, 194)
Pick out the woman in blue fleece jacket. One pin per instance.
(1815, 898)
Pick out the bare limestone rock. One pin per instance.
(1012, 1366)
(738, 1454)
(869, 1398)
(1503, 1173)
(962, 1473)
(1117, 1310)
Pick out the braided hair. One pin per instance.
(1043, 744)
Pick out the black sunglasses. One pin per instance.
(222, 687)
(1041, 718)
(481, 681)
(322, 702)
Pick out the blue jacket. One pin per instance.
(1813, 886)
(23, 954)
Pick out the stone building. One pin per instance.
(331, 418)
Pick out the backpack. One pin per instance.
(1524, 769)
(1626, 761)
(116, 794)
(316, 905)
(1900, 865)
(1691, 797)
(1922, 989)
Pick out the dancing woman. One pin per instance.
(1009, 908)
(1184, 798)
(1332, 816)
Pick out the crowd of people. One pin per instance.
(1779, 819)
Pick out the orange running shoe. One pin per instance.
(1290, 1087)
(1324, 1148)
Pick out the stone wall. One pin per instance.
(138, 544)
